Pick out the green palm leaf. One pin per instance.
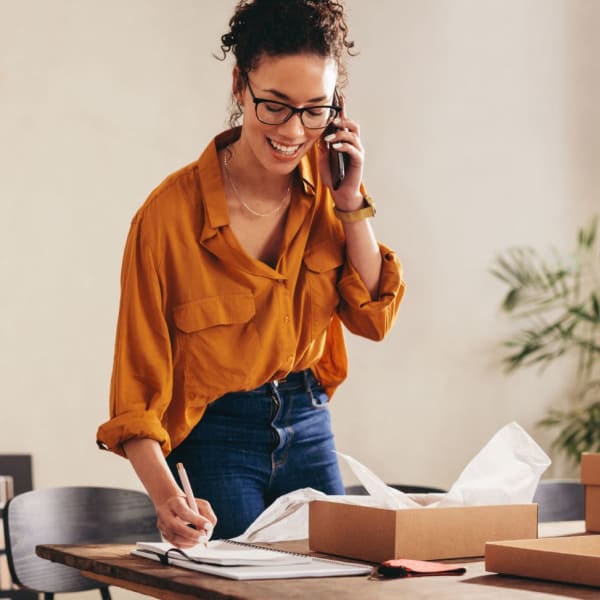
(555, 304)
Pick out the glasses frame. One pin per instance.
(293, 109)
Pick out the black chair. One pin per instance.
(71, 515)
(359, 490)
(560, 500)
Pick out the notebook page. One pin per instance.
(315, 567)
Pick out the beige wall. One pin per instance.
(481, 126)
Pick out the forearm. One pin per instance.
(364, 254)
(151, 467)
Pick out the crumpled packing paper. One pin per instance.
(505, 471)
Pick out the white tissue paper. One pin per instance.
(505, 471)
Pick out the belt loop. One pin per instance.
(308, 388)
(274, 388)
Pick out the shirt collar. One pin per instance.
(211, 183)
(307, 168)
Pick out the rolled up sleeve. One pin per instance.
(142, 381)
(362, 315)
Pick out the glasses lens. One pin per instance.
(275, 113)
(272, 113)
(318, 117)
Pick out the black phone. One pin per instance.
(338, 161)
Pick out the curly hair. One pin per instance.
(285, 27)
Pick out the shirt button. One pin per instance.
(286, 319)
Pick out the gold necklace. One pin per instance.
(239, 197)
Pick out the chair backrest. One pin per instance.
(71, 515)
(359, 490)
(19, 467)
(560, 500)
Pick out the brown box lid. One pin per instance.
(570, 559)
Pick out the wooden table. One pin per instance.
(112, 564)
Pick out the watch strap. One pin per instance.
(352, 216)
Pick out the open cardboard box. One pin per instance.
(378, 534)
(570, 559)
(590, 477)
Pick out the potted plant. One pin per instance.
(555, 303)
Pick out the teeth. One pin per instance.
(284, 149)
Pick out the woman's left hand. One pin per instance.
(347, 140)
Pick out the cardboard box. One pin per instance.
(570, 559)
(378, 534)
(590, 477)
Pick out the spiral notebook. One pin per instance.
(238, 560)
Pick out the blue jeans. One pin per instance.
(252, 447)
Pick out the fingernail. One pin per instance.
(336, 145)
(329, 137)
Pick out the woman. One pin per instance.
(238, 272)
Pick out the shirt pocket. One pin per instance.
(216, 344)
(323, 263)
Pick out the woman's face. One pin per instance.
(298, 80)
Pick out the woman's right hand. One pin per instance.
(174, 516)
(180, 525)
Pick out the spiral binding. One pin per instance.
(319, 558)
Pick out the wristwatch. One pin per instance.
(352, 216)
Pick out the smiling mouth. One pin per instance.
(283, 149)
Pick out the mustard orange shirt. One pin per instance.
(199, 317)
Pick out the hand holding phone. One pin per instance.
(338, 161)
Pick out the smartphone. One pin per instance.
(338, 161)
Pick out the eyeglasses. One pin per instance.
(272, 112)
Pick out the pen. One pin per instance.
(189, 494)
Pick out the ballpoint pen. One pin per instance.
(189, 494)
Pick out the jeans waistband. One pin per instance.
(304, 380)
(298, 379)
